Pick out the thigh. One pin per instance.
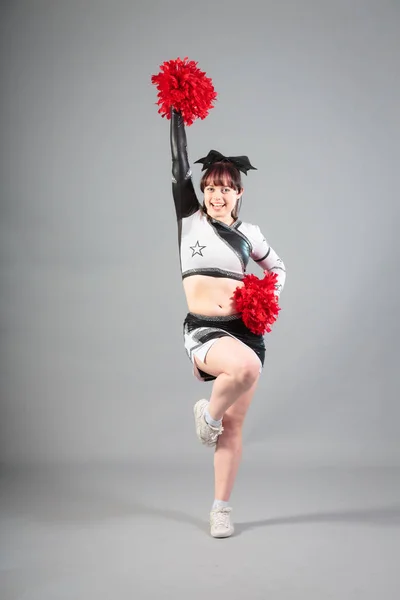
(228, 355)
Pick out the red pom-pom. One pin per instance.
(183, 86)
(257, 302)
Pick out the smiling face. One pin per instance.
(220, 202)
(222, 189)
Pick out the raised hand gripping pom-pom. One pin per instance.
(257, 302)
(184, 87)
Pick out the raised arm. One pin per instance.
(186, 202)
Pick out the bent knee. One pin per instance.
(232, 358)
(247, 372)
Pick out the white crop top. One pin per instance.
(209, 247)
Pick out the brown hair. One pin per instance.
(222, 173)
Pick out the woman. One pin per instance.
(215, 247)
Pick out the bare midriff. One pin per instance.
(210, 296)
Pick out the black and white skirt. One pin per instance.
(200, 332)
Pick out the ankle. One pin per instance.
(220, 504)
(211, 420)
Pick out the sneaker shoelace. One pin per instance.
(221, 517)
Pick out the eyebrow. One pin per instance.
(216, 185)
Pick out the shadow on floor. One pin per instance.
(71, 502)
(379, 516)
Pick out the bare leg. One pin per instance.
(237, 371)
(228, 452)
(236, 368)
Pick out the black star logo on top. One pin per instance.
(197, 249)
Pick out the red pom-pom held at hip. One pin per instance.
(257, 302)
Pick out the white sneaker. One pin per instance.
(207, 434)
(220, 521)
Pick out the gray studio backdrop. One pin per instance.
(91, 304)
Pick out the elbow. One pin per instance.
(180, 171)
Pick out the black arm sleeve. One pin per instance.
(186, 202)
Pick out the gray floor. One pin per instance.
(125, 532)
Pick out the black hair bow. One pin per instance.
(242, 163)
